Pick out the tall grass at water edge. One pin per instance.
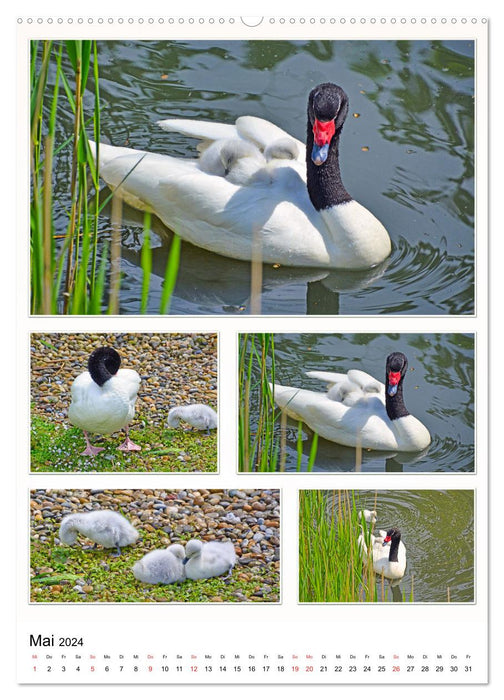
(72, 277)
(263, 448)
(331, 565)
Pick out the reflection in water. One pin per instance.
(407, 156)
(438, 532)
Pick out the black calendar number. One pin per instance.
(338, 669)
(70, 642)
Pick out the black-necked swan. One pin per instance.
(262, 195)
(388, 561)
(208, 559)
(105, 527)
(358, 410)
(103, 398)
(161, 565)
(197, 415)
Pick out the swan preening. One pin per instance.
(388, 552)
(161, 566)
(368, 515)
(105, 527)
(197, 415)
(103, 398)
(358, 410)
(251, 190)
(208, 559)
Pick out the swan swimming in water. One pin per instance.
(358, 410)
(197, 415)
(208, 559)
(105, 527)
(103, 398)
(161, 565)
(255, 181)
(388, 553)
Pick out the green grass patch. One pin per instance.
(56, 447)
(101, 577)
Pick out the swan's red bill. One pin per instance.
(322, 135)
(393, 382)
(386, 540)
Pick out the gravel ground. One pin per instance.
(175, 369)
(248, 518)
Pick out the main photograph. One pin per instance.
(252, 177)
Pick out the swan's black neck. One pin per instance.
(324, 182)
(394, 547)
(103, 364)
(397, 363)
(395, 404)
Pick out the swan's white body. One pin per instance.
(197, 415)
(104, 409)
(248, 203)
(208, 559)
(105, 527)
(380, 553)
(161, 565)
(352, 413)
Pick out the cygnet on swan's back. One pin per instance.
(235, 159)
(198, 415)
(105, 527)
(208, 559)
(161, 565)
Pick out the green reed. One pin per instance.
(72, 277)
(263, 448)
(332, 567)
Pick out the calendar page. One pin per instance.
(252, 350)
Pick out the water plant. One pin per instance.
(331, 565)
(262, 428)
(75, 268)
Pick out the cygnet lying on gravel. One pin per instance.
(161, 565)
(208, 559)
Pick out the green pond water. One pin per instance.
(437, 529)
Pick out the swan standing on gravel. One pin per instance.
(105, 527)
(103, 399)
(358, 410)
(208, 559)
(389, 561)
(161, 565)
(252, 188)
(197, 415)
